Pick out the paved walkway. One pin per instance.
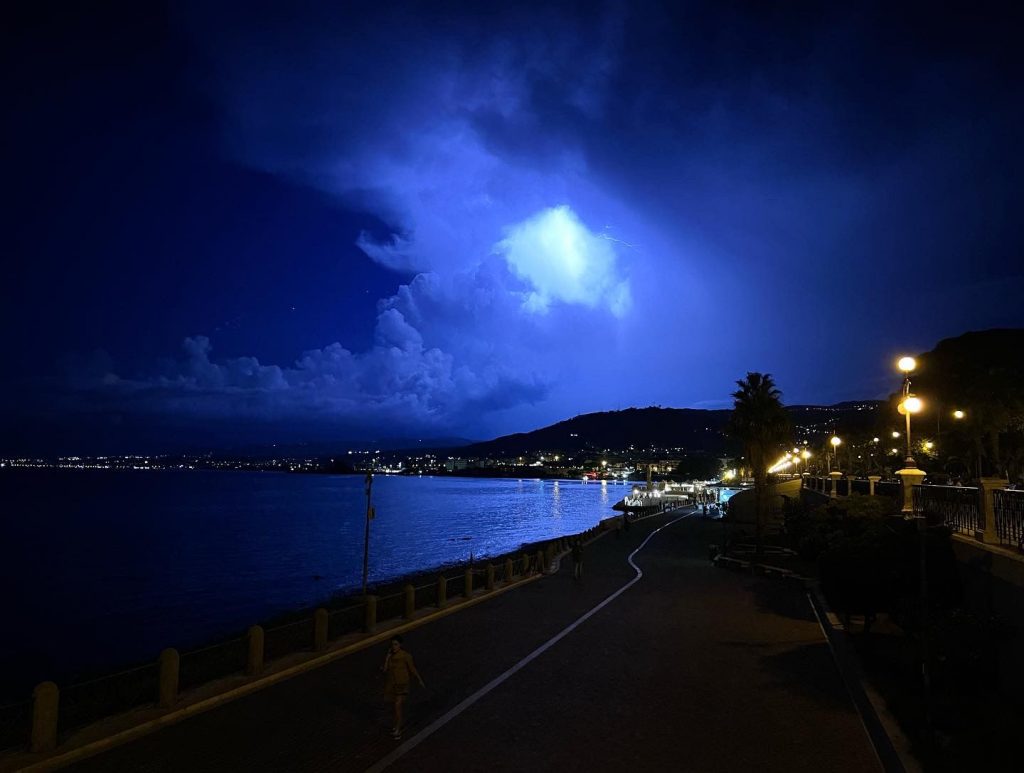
(693, 668)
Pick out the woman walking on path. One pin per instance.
(399, 667)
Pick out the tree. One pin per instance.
(761, 424)
(699, 467)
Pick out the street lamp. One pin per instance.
(909, 404)
(366, 538)
(836, 442)
(907, 364)
(958, 414)
(908, 407)
(911, 476)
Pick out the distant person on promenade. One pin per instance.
(577, 560)
(625, 522)
(399, 667)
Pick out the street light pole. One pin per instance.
(912, 476)
(366, 538)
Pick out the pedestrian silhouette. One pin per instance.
(399, 667)
(577, 560)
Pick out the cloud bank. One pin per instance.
(505, 270)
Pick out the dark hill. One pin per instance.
(685, 428)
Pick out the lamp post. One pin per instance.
(836, 441)
(366, 538)
(911, 476)
(908, 404)
(908, 407)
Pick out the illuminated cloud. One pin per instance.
(563, 261)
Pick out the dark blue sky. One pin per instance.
(414, 220)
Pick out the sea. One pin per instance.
(103, 568)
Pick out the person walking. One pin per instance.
(399, 667)
(577, 560)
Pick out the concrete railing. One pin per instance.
(53, 711)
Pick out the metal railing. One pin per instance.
(85, 702)
(345, 620)
(287, 639)
(1008, 505)
(214, 662)
(956, 506)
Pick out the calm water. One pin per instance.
(100, 568)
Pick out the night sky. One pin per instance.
(270, 223)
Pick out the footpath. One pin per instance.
(692, 668)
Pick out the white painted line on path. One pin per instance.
(444, 719)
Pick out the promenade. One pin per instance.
(692, 668)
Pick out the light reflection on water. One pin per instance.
(129, 562)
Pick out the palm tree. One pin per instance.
(759, 422)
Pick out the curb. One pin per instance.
(891, 746)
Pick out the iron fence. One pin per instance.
(1009, 511)
(955, 506)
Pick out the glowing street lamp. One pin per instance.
(958, 414)
(911, 476)
(908, 407)
(836, 441)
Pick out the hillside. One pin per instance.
(687, 428)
